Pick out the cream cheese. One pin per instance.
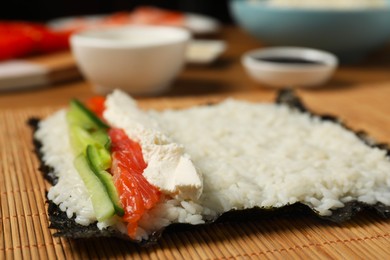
(169, 167)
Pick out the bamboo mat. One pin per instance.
(24, 232)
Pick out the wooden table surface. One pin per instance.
(359, 94)
(224, 77)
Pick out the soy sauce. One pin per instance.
(289, 60)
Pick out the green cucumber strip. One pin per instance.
(79, 118)
(89, 138)
(106, 178)
(102, 137)
(101, 201)
(81, 115)
(81, 138)
(104, 159)
(94, 160)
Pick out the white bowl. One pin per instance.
(141, 60)
(295, 67)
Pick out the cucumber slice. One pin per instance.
(89, 138)
(80, 115)
(102, 137)
(101, 201)
(104, 159)
(81, 138)
(94, 159)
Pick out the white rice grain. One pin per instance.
(268, 155)
(70, 192)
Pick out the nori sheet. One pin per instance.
(67, 227)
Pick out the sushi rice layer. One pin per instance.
(250, 155)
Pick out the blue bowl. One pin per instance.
(350, 34)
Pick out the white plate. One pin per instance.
(196, 23)
(19, 74)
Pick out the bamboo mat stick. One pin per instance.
(25, 233)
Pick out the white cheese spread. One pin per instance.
(169, 167)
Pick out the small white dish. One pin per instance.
(288, 67)
(141, 60)
(204, 51)
(201, 24)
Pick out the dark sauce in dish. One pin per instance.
(289, 60)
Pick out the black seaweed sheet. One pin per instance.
(69, 228)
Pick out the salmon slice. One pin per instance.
(143, 15)
(136, 194)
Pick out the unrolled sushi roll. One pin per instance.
(118, 170)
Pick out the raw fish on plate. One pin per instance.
(143, 15)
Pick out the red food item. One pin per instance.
(137, 195)
(18, 39)
(96, 105)
(153, 15)
(15, 45)
(118, 18)
(15, 40)
(145, 15)
(142, 15)
(53, 41)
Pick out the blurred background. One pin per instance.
(44, 10)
